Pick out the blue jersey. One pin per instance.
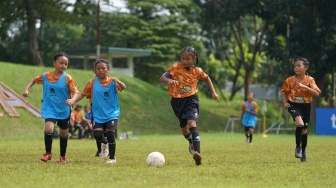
(105, 103)
(249, 120)
(54, 96)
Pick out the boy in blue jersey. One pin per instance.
(103, 94)
(58, 86)
(249, 117)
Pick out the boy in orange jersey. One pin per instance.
(182, 79)
(297, 92)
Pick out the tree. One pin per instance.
(235, 33)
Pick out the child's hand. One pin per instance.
(215, 96)
(26, 93)
(69, 102)
(170, 81)
(286, 105)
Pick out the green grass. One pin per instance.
(227, 162)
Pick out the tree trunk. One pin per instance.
(34, 55)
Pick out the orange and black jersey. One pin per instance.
(187, 80)
(296, 94)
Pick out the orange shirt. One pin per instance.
(87, 91)
(187, 80)
(72, 86)
(296, 94)
(77, 116)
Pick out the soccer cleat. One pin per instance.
(304, 157)
(298, 152)
(105, 151)
(198, 159)
(46, 157)
(191, 149)
(112, 160)
(97, 154)
(63, 159)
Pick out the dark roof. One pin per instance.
(110, 52)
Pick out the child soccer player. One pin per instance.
(297, 94)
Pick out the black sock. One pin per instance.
(80, 133)
(63, 145)
(304, 142)
(195, 139)
(112, 143)
(298, 135)
(48, 139)
(251, 138)
(188, 137)
(98, 146)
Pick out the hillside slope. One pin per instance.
(145, 109)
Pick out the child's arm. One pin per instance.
(77, 97)
(284, 100)
(167, 79)
(213, 92)
(25, 92)
(121, 84)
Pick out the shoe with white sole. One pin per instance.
(112, 161)
(105, 150)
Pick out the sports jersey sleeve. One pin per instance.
(313, 85)
(87, 91)
(255, 107)
(243, 107)
(72, 86)
(38, 79)
(286, 86)
(202, 74)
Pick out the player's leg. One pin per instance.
(63, 135)
(250, 132)
(98, 133)
(298, 136)
(110, 134)
(304, 142)
(48, 139)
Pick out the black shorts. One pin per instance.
(107, 125)
(185, 109)
(300, 109)
(247, 128)
(61, 123)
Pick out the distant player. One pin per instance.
(297, 92)
(248, 117)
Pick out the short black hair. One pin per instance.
(59, 54)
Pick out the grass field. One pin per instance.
(227, 162)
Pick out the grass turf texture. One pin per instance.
(227, 162)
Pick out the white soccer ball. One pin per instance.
(155, 159)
